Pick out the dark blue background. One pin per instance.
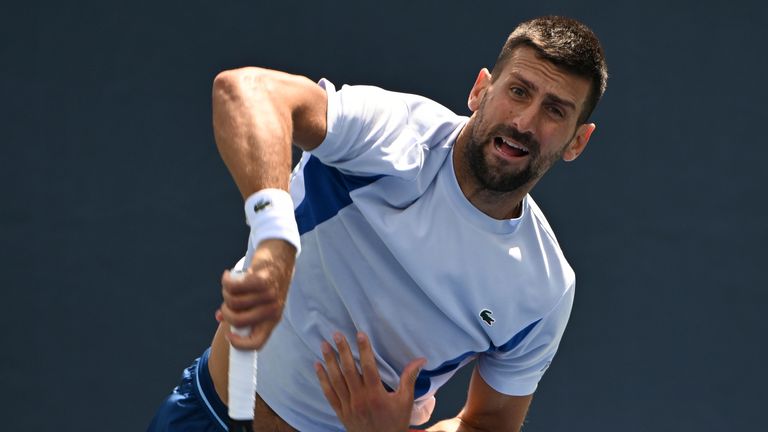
(118, 217)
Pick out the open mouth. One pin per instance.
(509, 148)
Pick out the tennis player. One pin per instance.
(421, 248)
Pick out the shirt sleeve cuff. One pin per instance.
(522, 386)
(327, 148)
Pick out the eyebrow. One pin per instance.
(552, 97)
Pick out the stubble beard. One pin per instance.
(497, 179)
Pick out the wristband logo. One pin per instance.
(261, 205)
(485, 314)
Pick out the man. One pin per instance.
(418, 241)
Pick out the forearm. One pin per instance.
(449, 425)
(453, 425)
(257, 115)
(253, 129)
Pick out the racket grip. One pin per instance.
(240, 425)
(242, 382)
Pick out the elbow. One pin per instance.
(237, 85)
(224, 83)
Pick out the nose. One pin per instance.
(524, 118)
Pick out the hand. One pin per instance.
(360, 401)
(257, 299)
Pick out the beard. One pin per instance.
(500, 179)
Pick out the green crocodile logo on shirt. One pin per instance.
(485, 314)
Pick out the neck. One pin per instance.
(498, 205)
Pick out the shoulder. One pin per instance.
(376, 103)
(553, 266)
(372, 131)
(539, 220)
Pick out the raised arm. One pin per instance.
(257, 114)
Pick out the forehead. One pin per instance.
(546, 76)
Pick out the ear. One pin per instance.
(579, 142)
(478, 89)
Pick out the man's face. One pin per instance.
(525, 120)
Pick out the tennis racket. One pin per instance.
(242, 377)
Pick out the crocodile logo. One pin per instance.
(261, 205)
(485, 314)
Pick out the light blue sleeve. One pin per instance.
(371, 131)
(518, 371)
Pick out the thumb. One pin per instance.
(409, 376)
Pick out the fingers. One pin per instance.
(371, 375)
(255, 298)
(328, 391)
(261, 319)
(251, 317)
(254, 340)
(340, 379)
(249, 299)
(358, 398)
(237, 284)
(335, 376)
(348, 366)
(409, 376)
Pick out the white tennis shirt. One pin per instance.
(391, 246)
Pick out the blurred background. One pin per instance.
(118, 217)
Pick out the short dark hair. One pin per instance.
(566, 43)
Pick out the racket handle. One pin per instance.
(242, 382)
(240, 425)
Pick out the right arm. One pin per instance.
(257, 114)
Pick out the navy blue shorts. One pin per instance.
(193, 405)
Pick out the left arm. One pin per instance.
(362, 404)
(359, 399)
(486, 410)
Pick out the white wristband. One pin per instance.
(269, 213)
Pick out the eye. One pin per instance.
(556, 111)
(517, 91)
